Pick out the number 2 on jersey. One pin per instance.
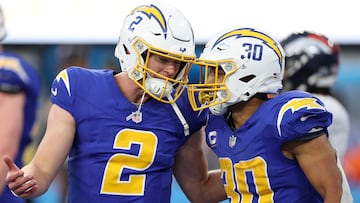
(135, 184)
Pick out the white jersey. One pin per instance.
(339, 132)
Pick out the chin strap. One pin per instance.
(179, 115)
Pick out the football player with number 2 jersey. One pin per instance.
(125, 134)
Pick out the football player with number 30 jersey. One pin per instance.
(271, 147)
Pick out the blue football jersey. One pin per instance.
(119, 155)
(16, 75)
(253, 166)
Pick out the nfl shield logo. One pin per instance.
(232, 141)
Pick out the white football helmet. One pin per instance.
(2, 25)
(235, 65)
(162, 30)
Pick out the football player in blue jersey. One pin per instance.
(19, 95)
(125, 134)
(271, 147)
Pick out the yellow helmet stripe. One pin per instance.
(155, 12)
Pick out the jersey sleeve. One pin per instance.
(13, 77)
(10, 82)
(63, 89)
(303, 118)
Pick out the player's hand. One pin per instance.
(20, 185)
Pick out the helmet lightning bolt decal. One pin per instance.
(64, 77)
(155, 12)
(249, 32)
(296, 104)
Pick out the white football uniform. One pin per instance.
(339, 132)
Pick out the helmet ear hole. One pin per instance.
(247, 78)
(126, 50)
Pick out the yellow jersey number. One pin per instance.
(236, 185)
(111, 183)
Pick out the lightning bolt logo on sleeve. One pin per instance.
(63, 75)
(295, 105)
(153, 11)
(249, 32)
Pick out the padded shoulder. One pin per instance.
(299, 114)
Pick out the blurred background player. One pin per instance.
(312, 65)
(19, 95)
